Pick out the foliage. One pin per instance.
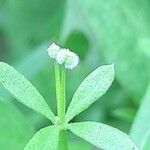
(23, 90)
(16, 129)
(141, 137)
(47, 138)
(100, 32)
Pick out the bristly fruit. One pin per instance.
(63, 56)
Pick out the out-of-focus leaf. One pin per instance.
(78, 42)
(119, 124)
(23, 90)
(15, 131)
(31, 22)
(125, 113)
(141, 124)
(91, 89)
(102, 136)
(146, 145)
(37, 56)
(45, 139)
(116, 29)
(144, 44)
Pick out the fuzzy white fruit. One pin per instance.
(68, 58)
(53, 50)
(63, 56)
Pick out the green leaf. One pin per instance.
(116, 33)
(15, 129)
(126, 113)
(45, 139)
(23, 31)
(146, 144)
(91, 89)
(102, 136)
(23, 90)
(74, 145)
(141, 124)
(144, 44)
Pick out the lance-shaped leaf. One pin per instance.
(140, 130)
(91, 89)
(23, 90)
(102, 136)
(45, 139)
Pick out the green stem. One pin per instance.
(58, 88)
(63, 133)
(61, 104)
(63, 143)
(63, 95)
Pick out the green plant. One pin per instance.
(142, 137)
(91, 89)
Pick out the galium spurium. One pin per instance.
(90, 90)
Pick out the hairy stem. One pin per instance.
(63, 95)
(58, 88)
(63, 133)
(61, 104)
(63, 140)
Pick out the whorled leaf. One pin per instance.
(91, 89)
(23, 90)
(102, 136)
(45, 139)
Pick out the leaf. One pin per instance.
(126, 113)
(23, 90)
(146, 145)
(74, 145)
(144, 44)
(91, 89)
(140, 128)
(102, 136)
(15, 130)
(72, 43)
(115, 29)
(45, 139)
(23, 31)
(35, 56)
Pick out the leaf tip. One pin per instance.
(112, 68)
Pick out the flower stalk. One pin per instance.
(63, 95)
(58, 88)
(68, 60)
(61, 104)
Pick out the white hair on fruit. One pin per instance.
(52, 50)
(63, 56)
(70, 59)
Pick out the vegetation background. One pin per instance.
(100, 32)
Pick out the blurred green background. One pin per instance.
(100, 32)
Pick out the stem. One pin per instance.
(63, 143)
(61, 104)
(58, 87)
(63, 95)
(63, 133)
